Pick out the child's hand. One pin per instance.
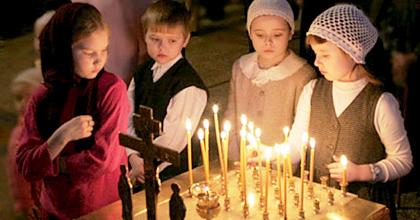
(76, 128)
(137, 168)
(336, 170)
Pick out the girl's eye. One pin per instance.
(172, 41)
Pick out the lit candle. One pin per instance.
(224, 161)
(243, 161)
(244, 121)
(285, 152)
(219, 146)
(188, 126)
(206, 125)
(267, 155)
(311, 167)
(226, 127)
(251, 127)
(277, 148)
(343, 160)
(302, 168)
(259, 149)
(204, 154)
(286, 131)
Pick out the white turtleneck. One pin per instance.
(388, 122)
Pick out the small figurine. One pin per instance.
(176, 204)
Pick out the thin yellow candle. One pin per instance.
(343, 160)
(206, 125)
(289, 164)
(188, 126)
(285, 152)
(224, 161)
(243, 160)
(259, 149)
(219, 145)
(277, 148)
(204, 154)
(302, 168)
(311, 167)
(226, 127)
(267, 155)
(286, 131)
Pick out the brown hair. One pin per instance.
(313, 39)
(166, 12)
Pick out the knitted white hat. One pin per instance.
(279, 8)
(347, 27)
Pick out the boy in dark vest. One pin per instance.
(167, 83)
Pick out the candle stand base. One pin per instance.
(301, 214)
(265, 215)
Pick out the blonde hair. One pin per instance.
(166, 12)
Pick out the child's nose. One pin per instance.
(268, 40)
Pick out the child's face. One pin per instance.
(333, 63)
(270, 36)
(165, 42)
(90, 54)
(22, 92)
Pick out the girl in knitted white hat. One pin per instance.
(266, 84)
(348, 113)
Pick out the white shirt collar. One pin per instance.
(160, 69)
(249, 66)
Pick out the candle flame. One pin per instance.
(243, 133)
(188, 124)
(200, 134)
(244, 120)
(215, 109)
(251, 140)
(267, 153)
(251, 199)
(223, 135)
(305, 137)
(251, 126)
(227, 126)
(206, 123)
(285, 150)
(277, 148)
(312, 142)
(343, 160)
(258, 132)
(286, 130)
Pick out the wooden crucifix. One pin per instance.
(147, 128)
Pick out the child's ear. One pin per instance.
(187, 39)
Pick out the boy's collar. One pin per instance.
(167, 64)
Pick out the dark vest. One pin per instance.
(158, 94)
(352, 133)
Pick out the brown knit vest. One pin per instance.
(352, 133)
